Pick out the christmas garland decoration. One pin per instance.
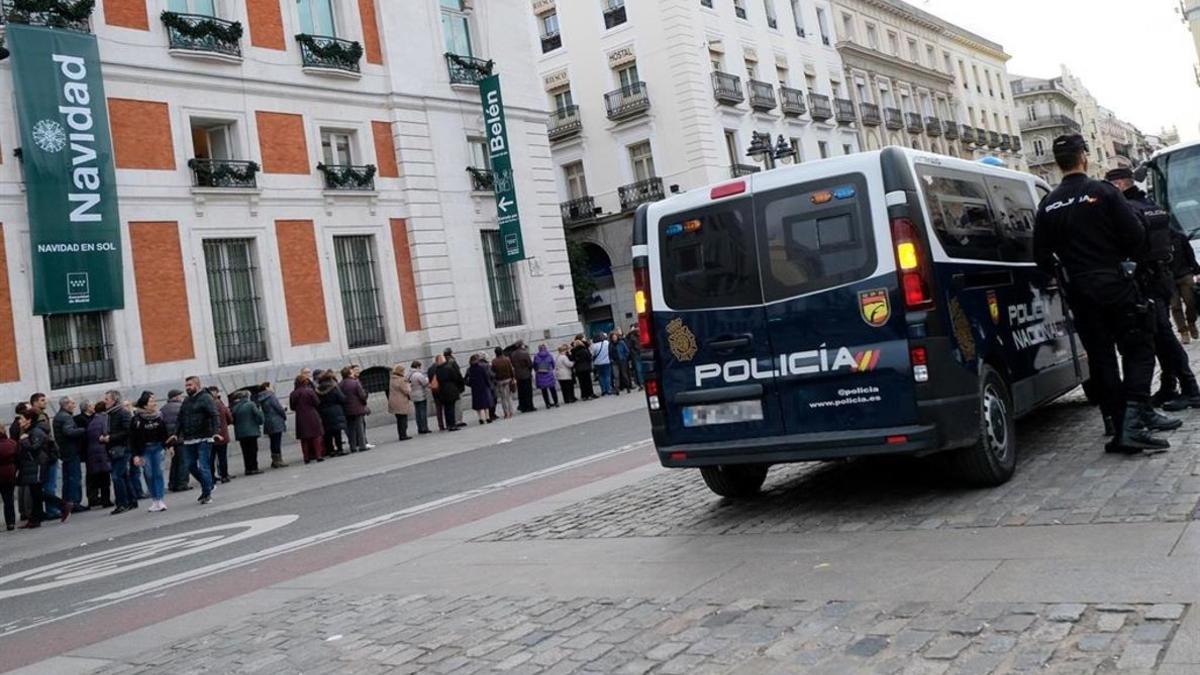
(342, 177)
(215, 172)
(59, 11)
(332, 50)
(228, 32)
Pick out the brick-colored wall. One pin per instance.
(385, 150)
(141, 134)
(126, 14)
(370, 29)
(266, 24)
(10, 368)
(303, 293)
(409, 303)
(282, 142)
(161, 291)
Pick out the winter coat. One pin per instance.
(198, 417)
(502, 366)
(119, 421)
(68, 436)
(400, 396)
(274, 416)
(147, 428)
(226, 418)
(82, 421)
(333, 408)
(582, 357)
(98, 460)
(419, 384)
(522, 364)
(356, 397)
(479, 378)
(9, 459)
(305, 405)
(601, 354)
(247, 419)
(170, 415)
(450, 382)
(543, 365)
(622, 351)
(33, 453)
(563, 366)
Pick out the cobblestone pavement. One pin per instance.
(1063, 477)
(382, 633)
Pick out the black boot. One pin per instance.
(1151, 419)
(1164, 395)
(1110, 426)
(1190, 398)
(1131, 440)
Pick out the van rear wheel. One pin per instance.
(737, 481)
(992, 459)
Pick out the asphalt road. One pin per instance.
(47, 588)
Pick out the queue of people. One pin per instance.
(114, 454)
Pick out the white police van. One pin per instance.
(879, 303)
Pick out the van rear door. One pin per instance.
(711, 327)
(834, 307)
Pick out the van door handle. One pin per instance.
(730, 344)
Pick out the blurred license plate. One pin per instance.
(723, 413)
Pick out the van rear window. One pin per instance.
(709, 258)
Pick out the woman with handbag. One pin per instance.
(400, 401)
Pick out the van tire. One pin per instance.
(992, 460)
(736, 481)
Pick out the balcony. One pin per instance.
(844, 111)
(1038, 160)
(204, 35)
(950, 129)
(933, 127)
(579, 211)
(325, 54)
(482, 180)
(1050, 122)
(551, 41)
(73, 16)
(564, 123)
(913, 123)
(223, 173)
(967, 133)
(345, 177)
(739, 11)
(1016, 143)
(791, 102)
(727, 88)
(821, 108)
(615, 16)
(893, 119)
(1005, 142)
(870, 114)
(627, 102)
(762, 95)
(739, 170)
(981, 137)
(641, 192)
(467, 70)
(993, 139)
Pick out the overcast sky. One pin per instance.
(1135, 57)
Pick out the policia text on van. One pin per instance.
(883, 302)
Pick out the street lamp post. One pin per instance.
(761, 151)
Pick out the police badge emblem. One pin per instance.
(875, 308)
(681, 340)
(993, 307)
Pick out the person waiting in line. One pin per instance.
(356, 410)
(564, 372)
(274, 421)
(479, 380)
(602, 360)
(523, 370)
(306, 406)
(70, 439)
(148, 439)
(247, 427)
(333, 413)
(506, 382)
(116, 441)
(400, 400)
(418, 383)
(8, 479)
(177, 475)
(581, 356)
(220, 455)
(622, 377)
(33, 462)
(448, 386)
(433, 389)
(99, 466)
(543, 367)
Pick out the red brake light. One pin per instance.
(897, 440)
(919, 356)
(652, 387)
(728, 190)
(642, 304)
(911, 265)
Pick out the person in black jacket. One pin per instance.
(581, 356)
(333, 413)
(116, 441)
(34, 459)
(197, 428)
(148, 438)
(450, 388)
(1185, 269)
(72, 446)
(1088, 228)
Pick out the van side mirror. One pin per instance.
(1139, 174)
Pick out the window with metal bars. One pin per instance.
(78, 349)
(355, 256)
(236, 305)
(502, 282)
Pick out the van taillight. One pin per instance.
(911, 265)
(642, 305)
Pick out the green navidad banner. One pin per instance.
(511, 243)
(66, 151)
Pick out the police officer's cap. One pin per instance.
(1119, 174)
(1069, 144)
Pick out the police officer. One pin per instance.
(1088, 228)
(1157, 281)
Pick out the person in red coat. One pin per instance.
(8, 478)
(305, 406)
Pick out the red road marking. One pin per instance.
(54, 639)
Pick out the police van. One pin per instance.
(878, 303)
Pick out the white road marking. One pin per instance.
(157, 585)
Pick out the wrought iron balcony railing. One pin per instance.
(739, 170)
(950, 129)
(564, 123)
(627, 102)
(893, 119)
(870, 114)
(981, 137)
(467, 69)
(913, 123)
(204, 34)
(993, 139)
(551, 41)
(330, 53)
(615, 16)
(967, 133)
(482, 180)
(844, 111)
(791, 101)
(820, 107)
(727, 88)
(70, 16)
(933, 127)
(348, 177)
(1016, 143)
(641, 192)
(578, 211)
(223, 173)
(762, 95)
(1005, 142)
(1050, 121)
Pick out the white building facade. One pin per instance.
(297, 202)
(653, 97)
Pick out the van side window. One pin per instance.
(709, 257)
(962, 216)
(817, 236)
(1015, 212)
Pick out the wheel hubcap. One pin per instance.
(995, 417)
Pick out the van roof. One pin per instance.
(860, 161)
(1175, 148)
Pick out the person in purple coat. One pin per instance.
(356, 409)
(480, 381)
(543, 368)
(99, 466)
(305, 405)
